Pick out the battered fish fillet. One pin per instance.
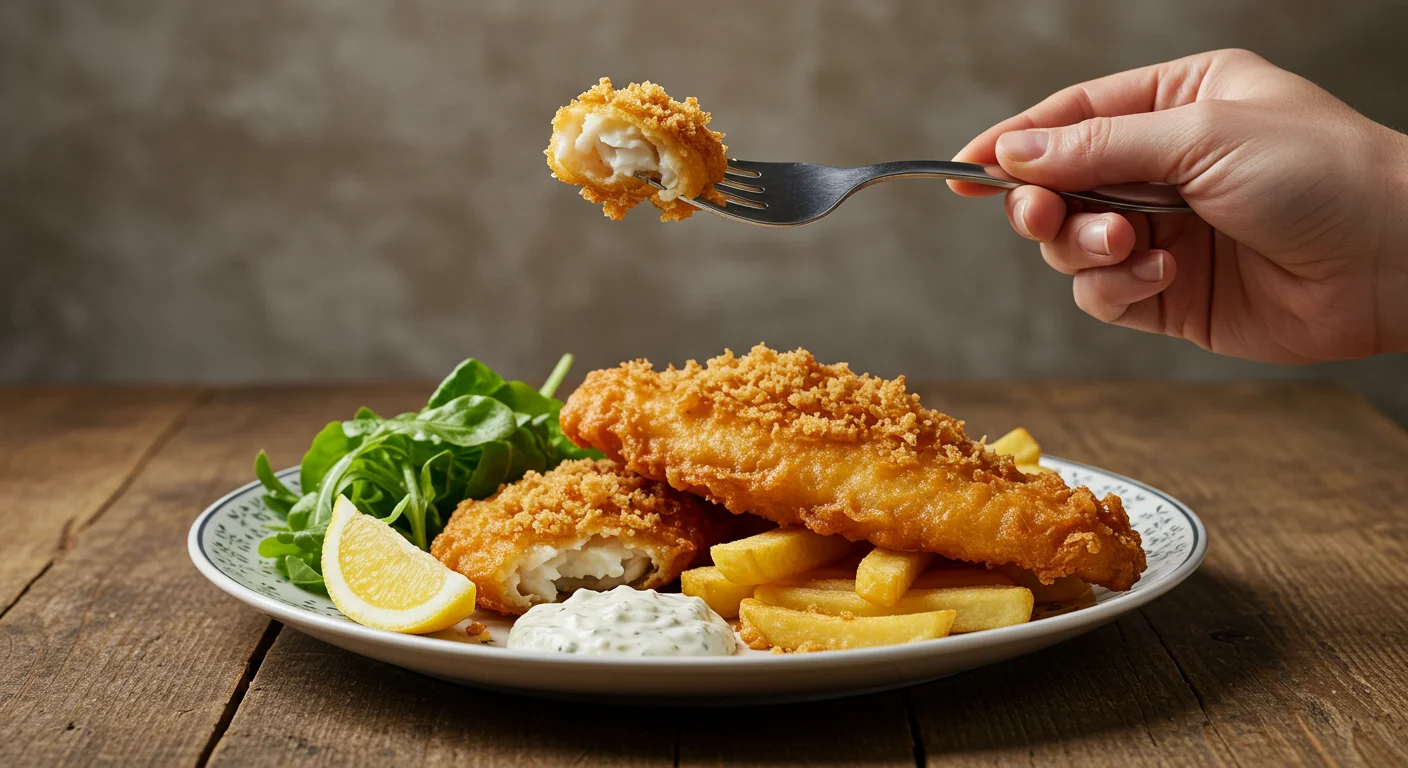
(586, 524)
(801, 443)
(605, 136)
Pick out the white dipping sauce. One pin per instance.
(624, 622)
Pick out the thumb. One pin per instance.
(1171, 146)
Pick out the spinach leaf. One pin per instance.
(466, 421)
(470, 377)
(491, 472)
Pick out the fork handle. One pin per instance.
(1148, 198)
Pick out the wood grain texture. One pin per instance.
(1290, 646)
(867, 730)
(1293, 637)
(121, 652)
(64, 453)
(313, 704)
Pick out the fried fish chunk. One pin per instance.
(606, 136)
(584, 525)
(801, 443)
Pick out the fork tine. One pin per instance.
(757, 205)
(736, 207)
(745, 168)
(737, 186)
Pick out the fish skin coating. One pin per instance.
(681, 126)
(801, 443)
(484, 539)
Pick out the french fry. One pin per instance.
(719, 593)
(941, 578)
(885, 575)
(771, 626)
(1023, 448)
(977, 608)
(1019, 444)
(1063, 590)
(775, 555)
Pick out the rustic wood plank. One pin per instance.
(64, 453)
(1292, 639)
(1289, 646)
(121, 652)
(313, 704)
(1113, 697)
(870, 730)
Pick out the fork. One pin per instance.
(793, 194)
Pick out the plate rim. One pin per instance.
(1072, 622)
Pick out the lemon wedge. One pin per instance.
(378, 578)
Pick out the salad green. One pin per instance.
(476, 433)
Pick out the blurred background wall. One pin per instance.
(324, 189)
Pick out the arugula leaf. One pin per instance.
(277, 495)
(330, 445)
(274, 547)
(300, 572)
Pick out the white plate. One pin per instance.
(224, 539)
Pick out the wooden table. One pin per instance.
(1289, 646)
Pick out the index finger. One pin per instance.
(1147, 89)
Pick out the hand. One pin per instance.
(1298, 251)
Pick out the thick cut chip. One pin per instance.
(978, 608)
(775, 555)
(885, 575)
(719, 593)
(962, 577)
(768, 626)
(1023, 448)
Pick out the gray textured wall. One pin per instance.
(272, 190)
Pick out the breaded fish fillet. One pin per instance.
(801, 443)
(586, 524)
(605, 136)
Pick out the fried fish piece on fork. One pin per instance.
(606, 136)
(801, 443)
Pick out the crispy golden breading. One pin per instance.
(677, 132)
(488, 540)
(800, 443)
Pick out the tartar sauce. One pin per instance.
(624, 622)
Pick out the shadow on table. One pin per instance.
(1126, 681)
(1120, 680)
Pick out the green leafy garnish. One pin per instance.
(476, 433)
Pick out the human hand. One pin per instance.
(1296, 253)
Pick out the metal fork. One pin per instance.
(793, 194)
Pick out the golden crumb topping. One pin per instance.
(793, 395)
(559, 502)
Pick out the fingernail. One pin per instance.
(1149, 267)
(1094, 238)
(1019, 217)
(1023, 146)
